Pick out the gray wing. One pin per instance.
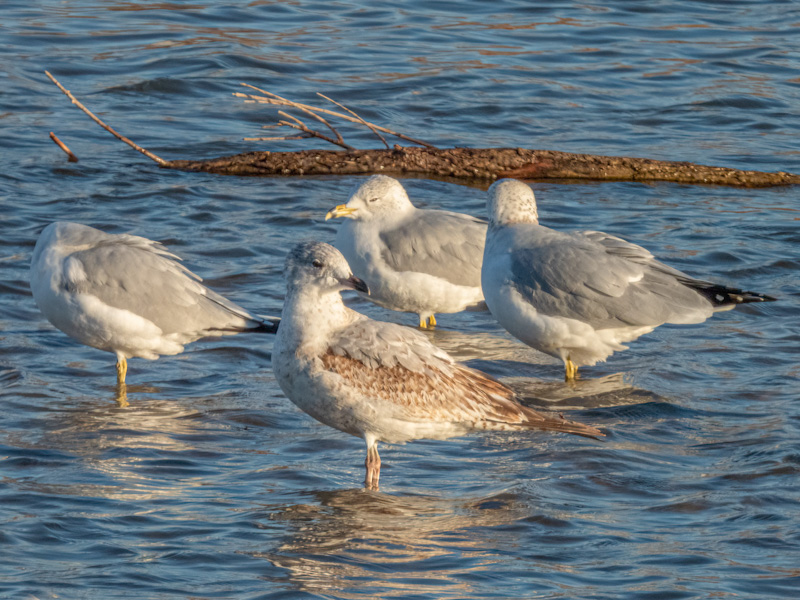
(440, 243)
(382, 344)
(601, 280)
(141, 276)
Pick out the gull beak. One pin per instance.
(356, 284)
(340, 211)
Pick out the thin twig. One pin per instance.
(133, 145)
(372, 127)
(264, 100)
(278, 139)
(293, 118)
(70, 156)
(302, 127)
(339, 139)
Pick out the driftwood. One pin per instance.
(481, 163)
(428, 161)
(70, 155)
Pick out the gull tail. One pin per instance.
(723, 297)
(536, 420)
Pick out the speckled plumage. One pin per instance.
(376, 380)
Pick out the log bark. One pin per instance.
(481, 164)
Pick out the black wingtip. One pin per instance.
(720, 295)
(268, 325)
(740, 297)
(756, 297)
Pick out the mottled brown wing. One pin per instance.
(461, 395)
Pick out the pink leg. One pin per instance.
(373, 465)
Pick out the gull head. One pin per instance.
(511, 201)
(322, 266)
(379, 197)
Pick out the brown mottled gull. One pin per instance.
(380, 381)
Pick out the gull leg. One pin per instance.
(373, 466)
(423, 324)
(570, 371)
(122, 390)
(122, 370)
(432, 321)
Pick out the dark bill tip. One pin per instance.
(357, 284)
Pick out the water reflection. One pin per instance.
(145, 451)
(352, 541)
(530, 373)
(480, 345)
(616, 389)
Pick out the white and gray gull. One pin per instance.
(422, 261)
(127, 295)
(380, 381)
(580, 295)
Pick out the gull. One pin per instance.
(380, 381)
(127, 295)
(580, 295)
(414, 260)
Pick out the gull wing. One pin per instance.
(443, 244)
(599, 279)
(136, 274)
(421, 383)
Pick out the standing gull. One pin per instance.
(380, 381)
(413, 260)
(127, 295)
(579, 296)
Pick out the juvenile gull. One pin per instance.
(579, 296)
(380, 381)
(127, 295)
(414, 260)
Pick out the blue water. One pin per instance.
(212, 485)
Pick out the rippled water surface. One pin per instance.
(213, 485)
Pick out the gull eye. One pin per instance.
(317, 264)
(371, 200)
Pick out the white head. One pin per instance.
(377, 198)
(320, 265)
(511, 201)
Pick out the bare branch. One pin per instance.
(302, 127)
(279, 101)
(70, 156)
(287, 102)
(372, 127)
(288, 116)
(133, 145)
(278, 139)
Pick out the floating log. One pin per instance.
(428, 161)
(482, 164)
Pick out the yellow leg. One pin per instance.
(122, 369)
(423, 324)
(570, 371)
(122, 395)
(432, 321)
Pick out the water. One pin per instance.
(212, 485)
